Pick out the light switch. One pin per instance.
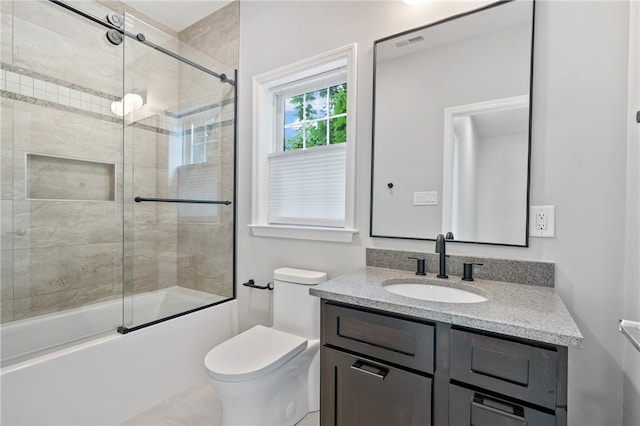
(428, 198)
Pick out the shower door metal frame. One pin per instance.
(142, 39)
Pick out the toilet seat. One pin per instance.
(252, 354)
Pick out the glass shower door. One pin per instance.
(179, 159)
(61, 208)
(86, 127)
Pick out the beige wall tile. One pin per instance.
(68, 179)
(6, 275)
(48, 39)
(145, 148)
(61, 223)
(120, 7)
(6, 174)
(155, 75)
(6, 121)
(206, 257)
(6, 31)
(145, 182)
(6, 225)
(217, 35)
(43, 130)
(18, 178)
(167, 268)
(146, 266)
(54, 302)
(145, 222)
(6, 310)
(55, 269)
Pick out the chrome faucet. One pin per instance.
(441, 249)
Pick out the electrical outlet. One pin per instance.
(542, 221)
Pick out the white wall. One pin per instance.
(631, 357)
(465, 167)
(499, 212)
(578, 163)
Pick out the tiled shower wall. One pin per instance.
(62, 253)
(59, 77)
(206, 261)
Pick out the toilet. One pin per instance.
(271, 375)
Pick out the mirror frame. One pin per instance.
(373, 126)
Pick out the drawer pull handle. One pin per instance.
(496, 406)
(372, 370)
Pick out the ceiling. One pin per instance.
(177, 14)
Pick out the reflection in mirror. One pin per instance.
(452, 128)
(483, 144)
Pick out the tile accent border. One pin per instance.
(20, 84)
(494, 269)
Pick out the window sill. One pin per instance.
(340, 235)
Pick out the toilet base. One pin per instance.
(280, 398)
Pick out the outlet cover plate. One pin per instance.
(542, 217)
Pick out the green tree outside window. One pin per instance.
(315, 119)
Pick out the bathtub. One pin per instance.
(27, 338)
(109, 377)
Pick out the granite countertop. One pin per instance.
(526, 311)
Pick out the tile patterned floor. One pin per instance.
(195, 406)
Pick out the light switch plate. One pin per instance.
(429, 198)
(542, 221)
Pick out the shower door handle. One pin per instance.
(180, 200)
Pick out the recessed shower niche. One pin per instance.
(60, 178)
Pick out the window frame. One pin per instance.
(265, 140)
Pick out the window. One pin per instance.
(198, 141)
(304, 149)
(315, 118)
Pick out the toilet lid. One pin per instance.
(252, 354)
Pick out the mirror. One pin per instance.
(451, 140)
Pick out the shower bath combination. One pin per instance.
(118, 177)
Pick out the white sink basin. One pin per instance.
(427, 290)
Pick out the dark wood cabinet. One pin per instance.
(361, 392)
(375, 369)
(522, 371)
(379, 368)
(401, 341)
(473, 407)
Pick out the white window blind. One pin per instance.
(307, 187)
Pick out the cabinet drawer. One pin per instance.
(398, 341)
(358, 392)
(467, 407)
(521, 371)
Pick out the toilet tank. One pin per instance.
(294, 310)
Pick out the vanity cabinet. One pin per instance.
(505, 382)
(379, 368)
(469, 407)
(374, 369)
(359, 391)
